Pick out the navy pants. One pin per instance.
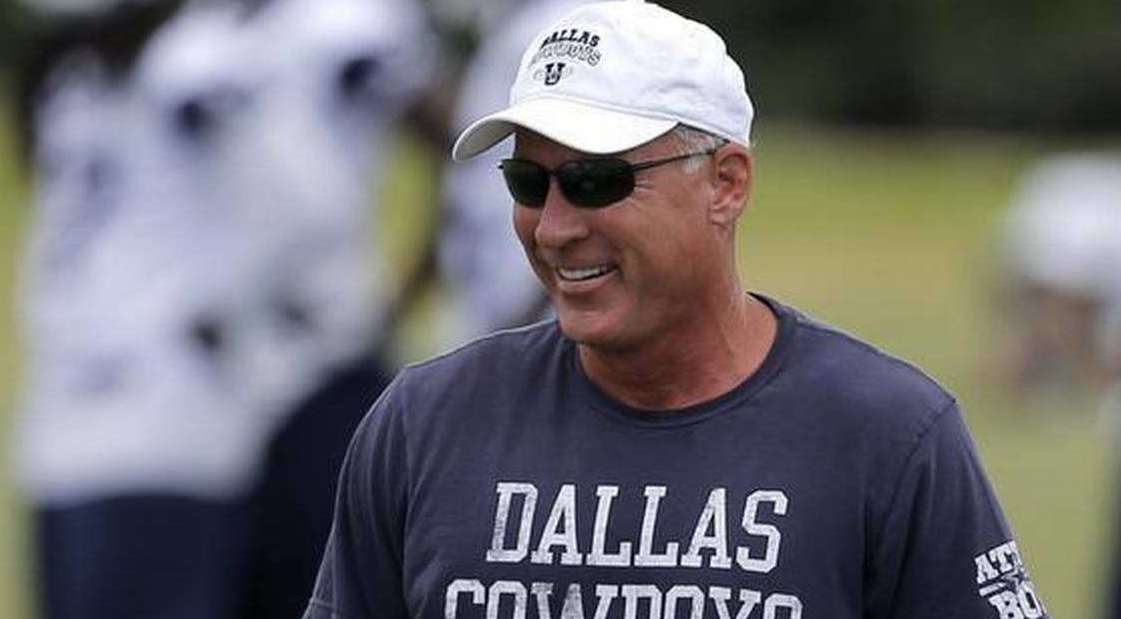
(179, 557)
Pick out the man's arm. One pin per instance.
(944, 548)
(361, 570)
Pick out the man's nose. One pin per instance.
(561, 222)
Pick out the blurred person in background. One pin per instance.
(1061, 259)
(1062, 282)
(488, 283)
(130, 448)
(199, 315)
(342, 73)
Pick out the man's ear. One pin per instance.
(732, 183)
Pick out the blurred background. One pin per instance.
(941, 179)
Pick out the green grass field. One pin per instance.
(886, 235)
(14, 566)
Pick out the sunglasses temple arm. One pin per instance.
(645, 165)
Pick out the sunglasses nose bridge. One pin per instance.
(560, 222)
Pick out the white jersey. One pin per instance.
(490, 280)
(200, 250)
(308, 169)
(125, 231)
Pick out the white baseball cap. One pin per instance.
(610, 76)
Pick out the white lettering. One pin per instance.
(541, 591)
(574, 604)
(646, 556)
(713, 517)
(692, 593)
(1007, 556)
(605, 594)
(512, 600)
(1007, 605)
(458, 587)
(563, 515)
(748, 601)
(776, 601)
(599, 556)
(508, 588)
(985, 569)
(573, 607)
(498, 551)
(771, 532)
(1029, 601)
(633, 593)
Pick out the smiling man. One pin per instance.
(671, 445)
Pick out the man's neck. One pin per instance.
(692, 365)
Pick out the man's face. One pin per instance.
(621, 276)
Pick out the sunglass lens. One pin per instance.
(596, 182)
(527, 181)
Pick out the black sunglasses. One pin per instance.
(587, 183)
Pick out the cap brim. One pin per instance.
(577, 125)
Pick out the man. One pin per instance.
(670, 445)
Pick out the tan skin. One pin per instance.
(667, 324)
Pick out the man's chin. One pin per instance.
(597, 330)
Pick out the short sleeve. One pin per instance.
(362, 563)
(944, 549)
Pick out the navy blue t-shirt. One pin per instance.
(836, 482)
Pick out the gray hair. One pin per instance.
(691, 140)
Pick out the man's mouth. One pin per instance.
(584, 274)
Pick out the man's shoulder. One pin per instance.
(505, 345)
(509, 355)
(859, 378)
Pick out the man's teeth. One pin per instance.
(582, 274)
